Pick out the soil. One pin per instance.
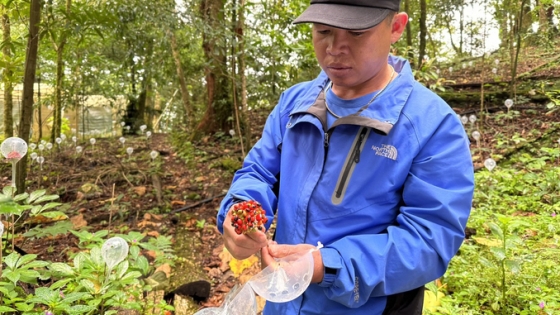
(191, 184)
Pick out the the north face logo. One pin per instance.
(386, 150)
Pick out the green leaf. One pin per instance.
(513, 265)
(121, 269)
(80, 309)
(88, 285)
(11, 208)
(498, 252)
(61, 283)
(131, 275)
(25, 259)
(96, 257)
(79, 260)
(54, 214)
(36, 194)
(11, 275)
(485, 262)
(50, 205)
(46, 198)
(62, 269)
(12, 260)
(24, 307)
(496, 230)
(20, 197)
(8, 190)
(6, 309)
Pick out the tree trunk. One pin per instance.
(182, 82)
(7, 77)
(28, 81)
(410, 53)
(59, 48)
(219, 106)
(423, 32)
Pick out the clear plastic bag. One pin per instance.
(285, 280)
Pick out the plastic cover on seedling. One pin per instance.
(285, 280)
(13, 148)
(239, 301)
(114, 250)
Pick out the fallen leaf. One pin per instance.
(237, 266)
(140, 190)
(487, 242)
(178, 203)
(153, 233)
(78, 221)
(166, 268)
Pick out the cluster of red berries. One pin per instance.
(248, 216)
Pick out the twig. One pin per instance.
(198, 203)
(127, 179)
(111, 207)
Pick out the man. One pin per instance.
(366, 161)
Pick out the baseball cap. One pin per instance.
(348, 14)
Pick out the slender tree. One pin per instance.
(8, 73)
(423, 33)
(28, 82)
(219, 106)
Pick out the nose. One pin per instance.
(336, 44)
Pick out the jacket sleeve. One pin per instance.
(257, 176)
(428, 231)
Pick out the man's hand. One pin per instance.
(273, 250)
(244, 245)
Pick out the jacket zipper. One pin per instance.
(354, 158)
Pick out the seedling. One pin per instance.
(92, 141)
(129, 151)
(113, 251)
(13, 149)
(490, 164)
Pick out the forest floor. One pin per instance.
(178, 194)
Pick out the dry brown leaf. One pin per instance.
(150, 254)
(178, 203)
(165, 268)
(140, 190)
(153, 233)
(200, 179)
(78, 221)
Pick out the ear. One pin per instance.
(398, 26)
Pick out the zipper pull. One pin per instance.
(326, 143)
(358, 145)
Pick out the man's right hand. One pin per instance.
(244, 245)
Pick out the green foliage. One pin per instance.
(510, 265)
(84, 285)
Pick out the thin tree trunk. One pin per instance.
(57, 114)
(241, 72)
(518, 34)
(408, 32)
(182, 82)
(219, 105)
(423, 32)
(7, 78)
(28, 81)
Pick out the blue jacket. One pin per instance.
(391, 185)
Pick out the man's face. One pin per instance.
(352, 59)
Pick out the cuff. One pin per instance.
(332, 263)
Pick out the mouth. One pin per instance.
(337, 67)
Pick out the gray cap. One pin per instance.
(348, 14)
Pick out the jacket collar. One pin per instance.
(380, 115)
